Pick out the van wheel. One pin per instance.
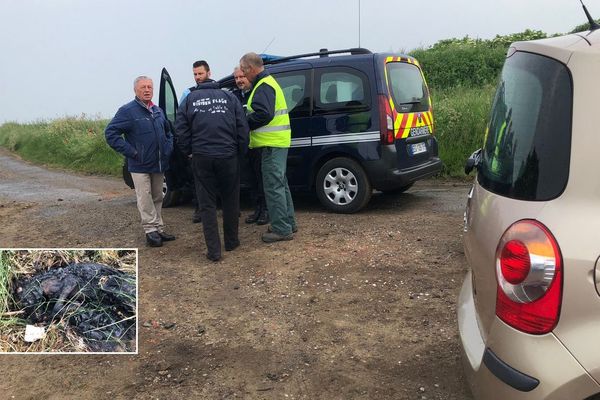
(342, 186)
(170, 197)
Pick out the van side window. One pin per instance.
(342, 89)
(296, 92)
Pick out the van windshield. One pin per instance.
(527, 146)
(407, 87)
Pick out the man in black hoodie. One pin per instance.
(212, 128)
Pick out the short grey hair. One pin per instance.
(252, 59)
(141, 78)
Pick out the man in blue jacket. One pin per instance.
(140, 131)
(211, 127)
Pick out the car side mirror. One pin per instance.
(473, 161)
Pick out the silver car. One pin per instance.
(529, 308)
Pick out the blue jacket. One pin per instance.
(211, 122)
(147, 141)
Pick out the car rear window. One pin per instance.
(528, 143)
(407, 87)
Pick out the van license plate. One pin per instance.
(418, 148)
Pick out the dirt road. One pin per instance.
(355, 307)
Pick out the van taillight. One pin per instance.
(386, 123)
(529, 276)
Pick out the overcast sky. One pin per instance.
(66, 57)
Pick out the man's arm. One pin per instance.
(183, 129)
(263, 107)
(241, 126)
(119, 125)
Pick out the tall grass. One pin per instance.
(75, 143)
(461, 115)
(78, 144)
(9, 321)
(5, 278)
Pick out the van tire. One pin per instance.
(170, 197)
(342, 186)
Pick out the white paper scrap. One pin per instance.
(33, 333)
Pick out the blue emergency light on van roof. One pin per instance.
(269, 57)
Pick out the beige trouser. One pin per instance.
(148, 190)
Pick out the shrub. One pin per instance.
(468, 62)
(74, 143)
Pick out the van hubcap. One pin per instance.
(340, 186)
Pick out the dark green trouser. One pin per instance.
(277, 192)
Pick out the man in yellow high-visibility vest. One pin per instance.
(269, 124)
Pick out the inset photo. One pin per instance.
(68, 301)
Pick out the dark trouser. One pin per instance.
(257, 189)
(218, 177)
(277, 192)
(196, 192)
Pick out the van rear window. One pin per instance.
(407, 87)
(527, 147)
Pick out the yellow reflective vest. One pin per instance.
(277, 132)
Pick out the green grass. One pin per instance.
(5, 281)
(78, 144)
(461, 115)
(74, 143)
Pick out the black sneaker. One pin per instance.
(153, 239)
(263, 218)
(166, 237)
(252, 218)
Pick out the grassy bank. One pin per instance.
(78, 144)
(73, 143)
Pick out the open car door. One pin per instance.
(167, 98)
(178, 178)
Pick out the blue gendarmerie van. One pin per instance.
(360, 121)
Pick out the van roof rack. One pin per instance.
(320, 53)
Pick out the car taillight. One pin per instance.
(529, 276)
(386, 123)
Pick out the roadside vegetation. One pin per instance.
(461, 74)
(75, 143)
